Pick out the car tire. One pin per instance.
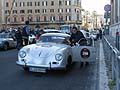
(69, 63)
(5, 47)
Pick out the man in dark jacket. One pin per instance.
(76, 35)
(18, 36)
(26, 33)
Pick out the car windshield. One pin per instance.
(54, 39)
(65, 29)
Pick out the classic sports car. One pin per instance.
(7, 41)
(51, 52)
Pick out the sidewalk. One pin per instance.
(110, 39)
(103, 78)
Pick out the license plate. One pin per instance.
(37, 69)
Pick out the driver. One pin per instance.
(76, 35)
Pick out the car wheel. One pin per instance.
(69, 63)
(5, 47)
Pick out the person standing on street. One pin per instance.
(18, 36)
(100, 33)
(26, 33)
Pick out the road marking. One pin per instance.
(103, 79)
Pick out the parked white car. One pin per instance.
(7, 41)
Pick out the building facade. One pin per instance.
(115, 18)
(115, 33)
(46, 13)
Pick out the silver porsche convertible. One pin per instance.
(52, 51)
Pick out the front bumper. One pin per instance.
(45, 67)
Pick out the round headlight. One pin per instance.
(58, 57)
(22, 54)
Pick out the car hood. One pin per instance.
(44, 50)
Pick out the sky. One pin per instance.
(95, 5)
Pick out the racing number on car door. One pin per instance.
(85, 53)
(81, 53)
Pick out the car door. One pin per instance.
(84, 51)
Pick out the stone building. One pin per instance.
(46, 13)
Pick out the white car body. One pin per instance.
(52, 54)
(43, 56)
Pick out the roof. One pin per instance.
(56, 34)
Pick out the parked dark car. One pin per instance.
(7, 41)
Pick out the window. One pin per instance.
(29, 3)
(38, 3)
(60, 18)
(23, 4)
(67, 2)
(15, 4)
(52, 3)
(68, 18)
(52, 10)
(37, 10)
(78, 17)
(14, 11)
(7, 4)
(22, 11)
(60, 10)
(30, 18)
(29, 11)
(44, 10)
(52, 18)
(15, 19)
(8, 20)
(68, 10)
(45, 18)
(38, 18)
(35, 3)
(60, 2)
(7, 11)
(44, 3)
(20, 4)
(22, 19)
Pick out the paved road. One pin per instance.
(12, 77)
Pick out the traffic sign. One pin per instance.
(107, 15)
(107, 7)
